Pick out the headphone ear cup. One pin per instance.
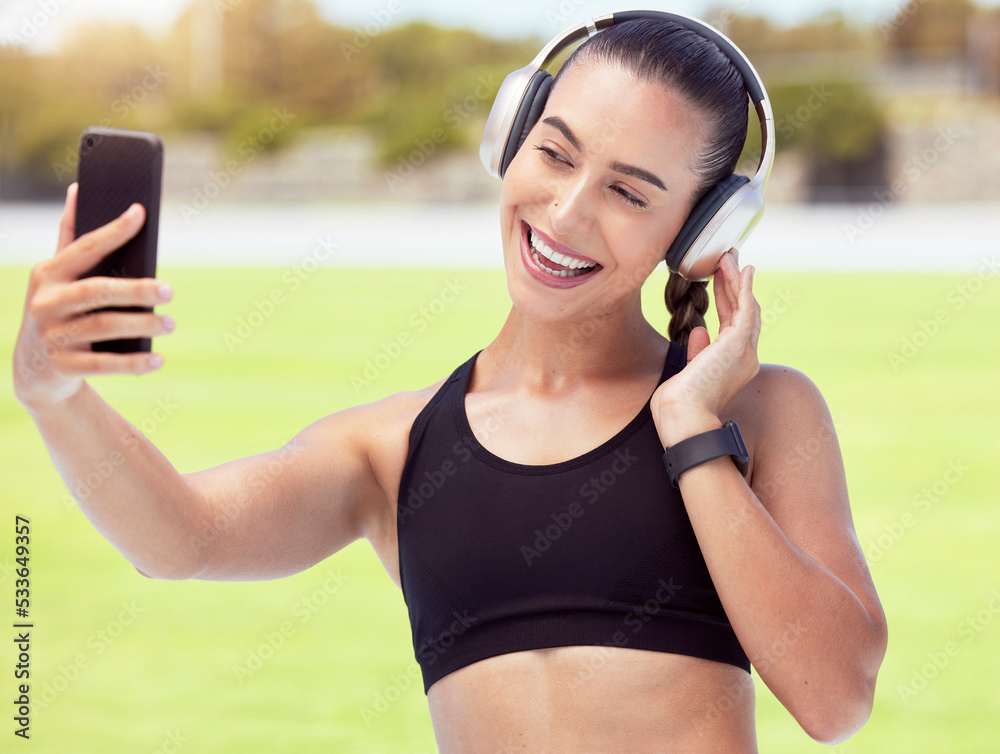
(700, 217)
(532, 105)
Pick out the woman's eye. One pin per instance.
(630, 198)
(552, 156)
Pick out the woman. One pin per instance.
(563, 596)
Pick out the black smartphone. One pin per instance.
(118, 168)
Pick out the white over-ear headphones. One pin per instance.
(722, 220)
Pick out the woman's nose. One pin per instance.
(570, 208)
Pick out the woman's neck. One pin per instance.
(554, 356)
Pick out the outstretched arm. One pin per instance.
(261, 517)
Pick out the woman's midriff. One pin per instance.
(594, 699)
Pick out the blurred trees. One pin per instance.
(757, 35)
(841, 128)
(226, 66)
(820, 109)
(929, 28)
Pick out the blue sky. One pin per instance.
(48, 20)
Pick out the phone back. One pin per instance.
(119, 167)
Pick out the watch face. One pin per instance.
(735, 429)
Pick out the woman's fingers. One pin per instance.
(698, 341)
(722, 286)
(83, 363)
(101, 326)
(81, 296)
(735, 302)
(752, 307)
(67, 224)
(79, 256)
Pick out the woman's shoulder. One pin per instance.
(384, 427)
(781, 388)
(397, 410)
(780, 408)
(776, 387)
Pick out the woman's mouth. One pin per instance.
(552, 267)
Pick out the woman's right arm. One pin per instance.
(261, 517)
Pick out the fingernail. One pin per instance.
(155, 361)
(133, 212)
(753, 270)
(164, 291)
(168, 323)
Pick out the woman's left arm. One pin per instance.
(782, 552)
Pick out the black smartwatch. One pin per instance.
(706, 447)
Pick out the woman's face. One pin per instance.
(597, 192)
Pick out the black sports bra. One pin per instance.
(499, 557)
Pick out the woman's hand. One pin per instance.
(715, 372)
(53, 351)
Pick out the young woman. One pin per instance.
(563, 594)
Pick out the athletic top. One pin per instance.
(498, 557)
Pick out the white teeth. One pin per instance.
(576, 266)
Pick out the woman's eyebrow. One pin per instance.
(642, 175)
(619, 167)
(557, 122)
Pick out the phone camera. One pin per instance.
(90, 141)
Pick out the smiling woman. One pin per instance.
(583, 566)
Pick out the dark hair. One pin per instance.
(661, 51)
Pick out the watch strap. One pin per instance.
(705, 447)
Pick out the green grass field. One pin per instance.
(322, 661)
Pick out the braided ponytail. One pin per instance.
(687, 303)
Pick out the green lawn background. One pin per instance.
(163, 676)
